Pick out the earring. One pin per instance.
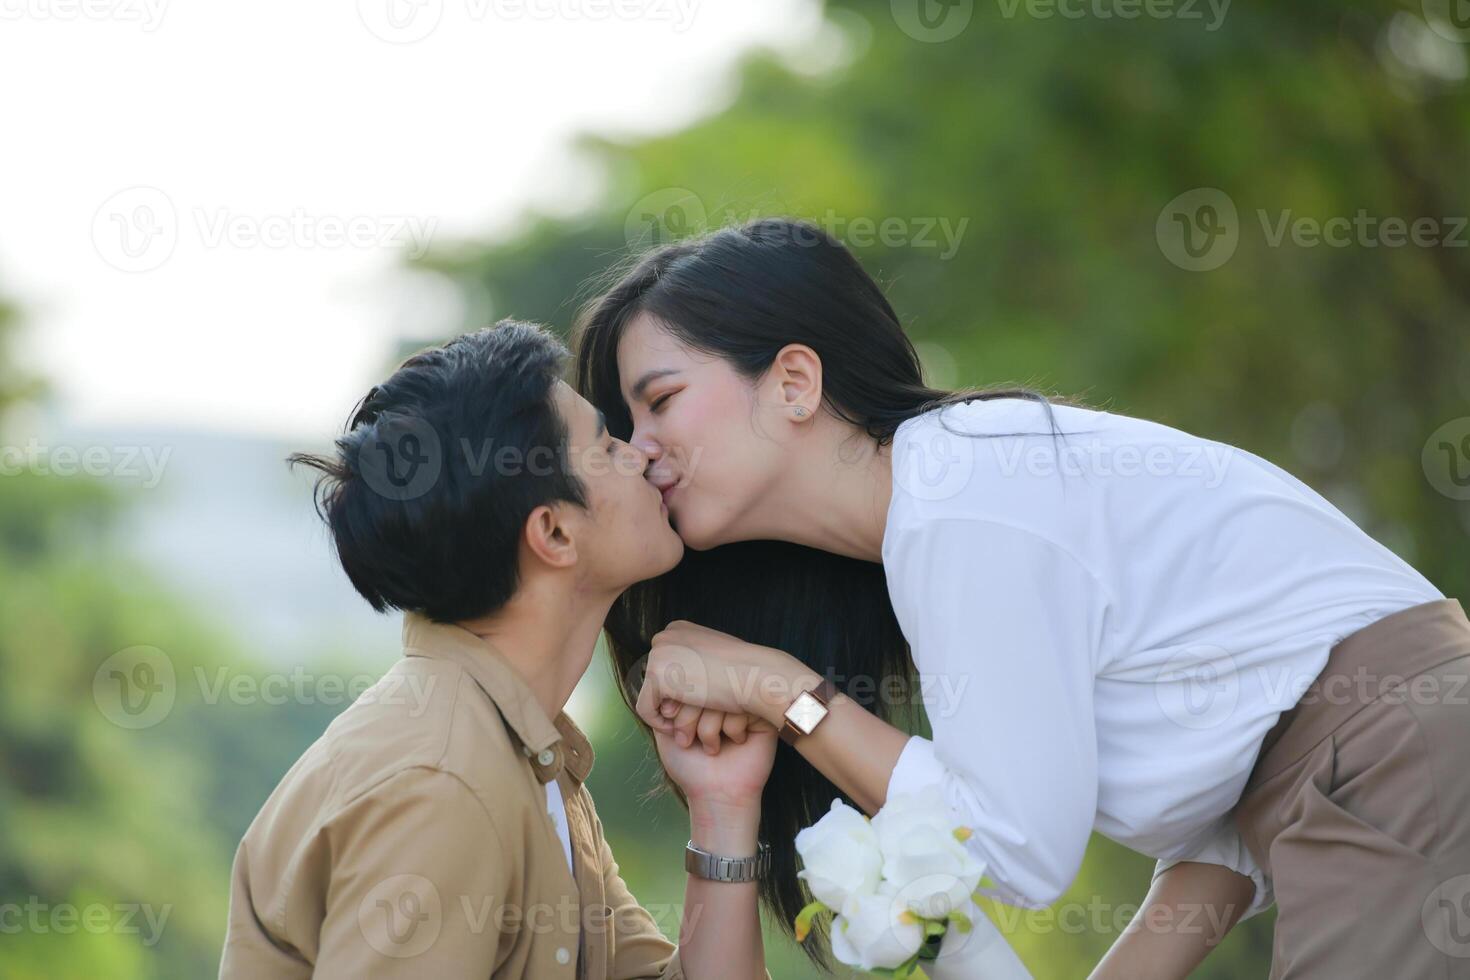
(800, 412)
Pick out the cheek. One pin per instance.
(712, 439)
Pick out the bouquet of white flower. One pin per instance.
(902, 889)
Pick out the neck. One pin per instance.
(548, 632)
(835, 496)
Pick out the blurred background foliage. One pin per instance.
(1048, 147)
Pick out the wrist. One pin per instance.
(789, 679)
(725, 828)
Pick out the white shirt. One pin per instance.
(556, 809)
(1105, 631)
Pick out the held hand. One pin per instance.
(730, 779)
(709, 725)
(702, 669)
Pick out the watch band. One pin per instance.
(713, 867)
(822, 694)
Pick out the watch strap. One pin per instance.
(714, 867)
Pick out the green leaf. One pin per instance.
(806, 917)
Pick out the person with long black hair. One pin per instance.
(1111, 624)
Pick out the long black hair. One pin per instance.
(742, 294)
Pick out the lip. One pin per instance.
(666, 493)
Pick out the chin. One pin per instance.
(699, 538)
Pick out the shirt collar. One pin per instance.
(549, 745)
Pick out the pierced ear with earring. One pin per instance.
(800, 412)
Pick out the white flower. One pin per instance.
(925, 860)
(840, 856)
(875, 932)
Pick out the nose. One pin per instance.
(645, 444)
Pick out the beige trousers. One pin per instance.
(1358, 806)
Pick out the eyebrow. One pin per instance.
(648, 379)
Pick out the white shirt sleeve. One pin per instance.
(1004, 627)
(1225, 847)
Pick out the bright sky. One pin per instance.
(205, 204)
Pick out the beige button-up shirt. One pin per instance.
(412, 840)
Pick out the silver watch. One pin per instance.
(703, 864)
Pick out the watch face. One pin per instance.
(805, 712)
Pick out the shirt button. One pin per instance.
(563, 955)
(547, 757)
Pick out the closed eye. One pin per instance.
(658, 402)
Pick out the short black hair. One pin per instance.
(429, 487)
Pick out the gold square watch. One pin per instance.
(807, 710)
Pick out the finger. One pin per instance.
(646, 706)
(669, 708)
(758, 724)
(710, 724)
(685, 724)
(735, 726)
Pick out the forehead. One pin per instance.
(646, 346)
(578, 413)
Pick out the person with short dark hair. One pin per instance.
(441, 827)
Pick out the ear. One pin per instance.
(549, 536)
(796, 375)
